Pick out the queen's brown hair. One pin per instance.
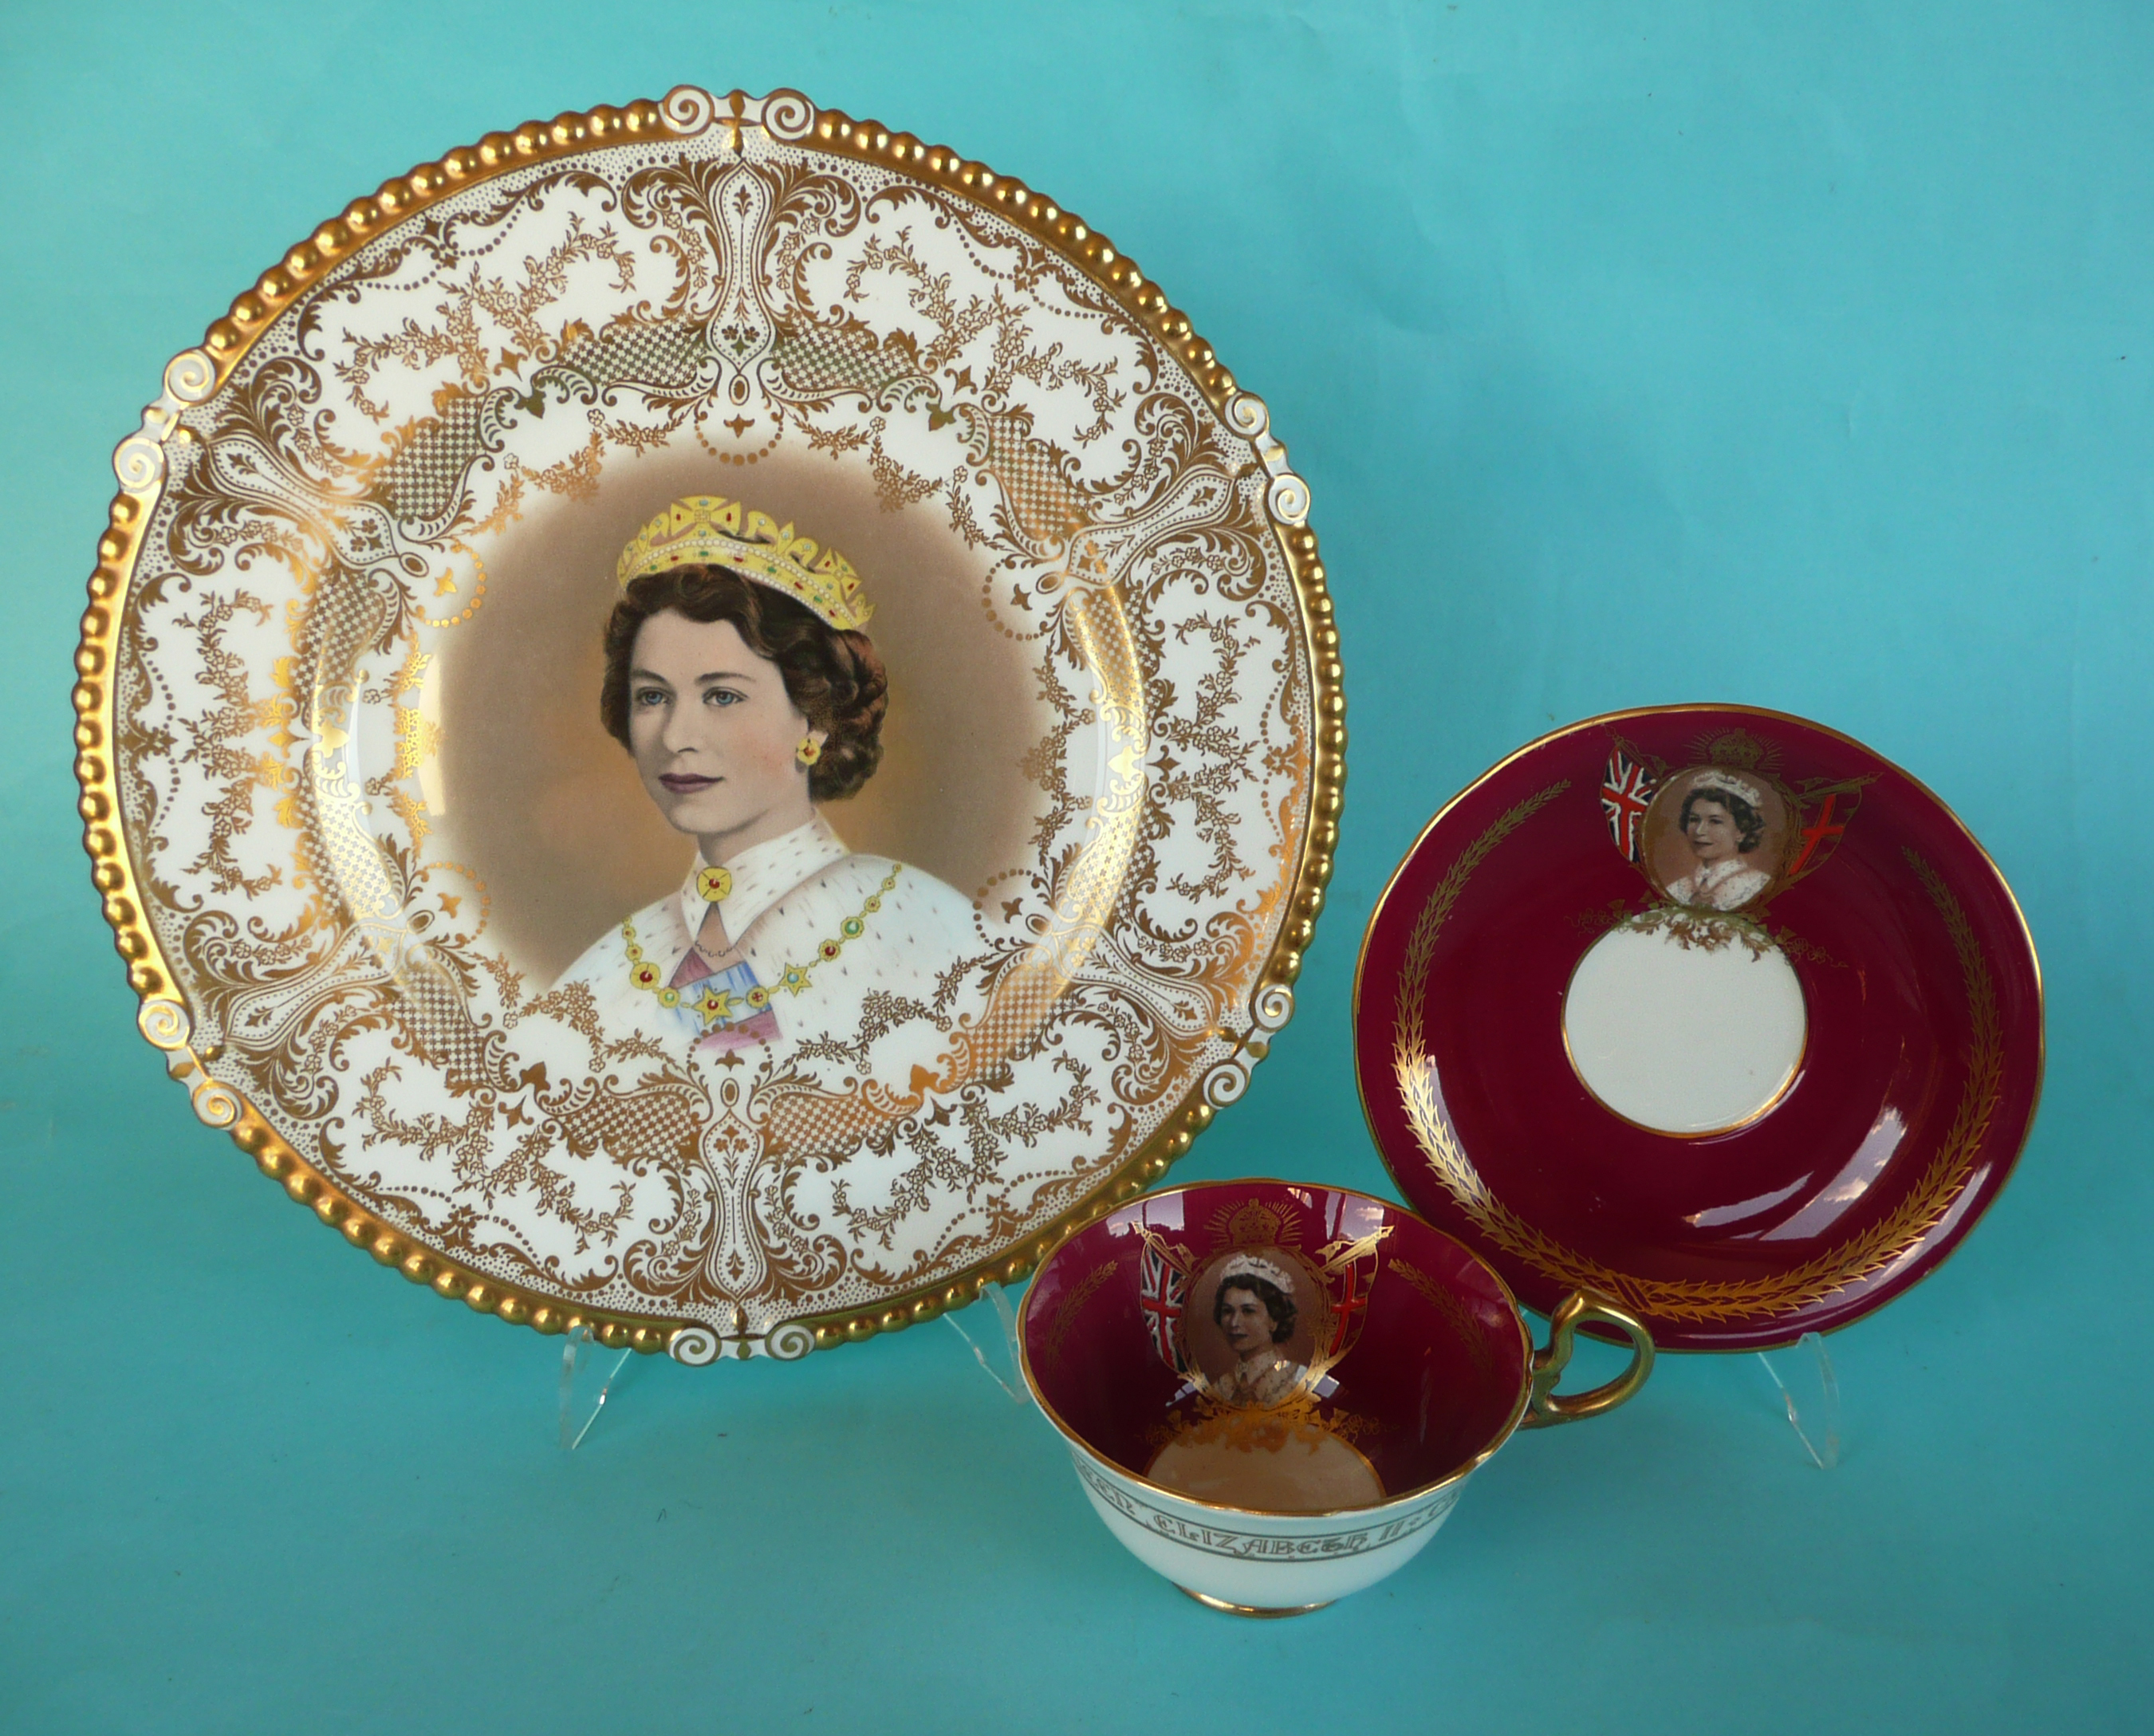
(833, 678)
(1275, 1301)
(1749, 823)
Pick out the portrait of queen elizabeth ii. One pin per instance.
(1715, 837)
(740, 680)
(1253, 1308)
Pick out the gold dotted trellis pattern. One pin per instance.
(1307, 822)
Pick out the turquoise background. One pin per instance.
(1793, 355)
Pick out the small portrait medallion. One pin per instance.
(1716, 838)
(1253, 1326)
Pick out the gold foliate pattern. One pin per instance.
(254, 746)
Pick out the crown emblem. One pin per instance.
(706, 527)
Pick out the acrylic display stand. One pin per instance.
(1015, 1386)
(1820, 1435)
(590, 1374)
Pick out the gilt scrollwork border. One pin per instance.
(140, 467)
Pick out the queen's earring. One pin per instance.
(809, 751)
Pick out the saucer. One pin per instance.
(1705, 1009)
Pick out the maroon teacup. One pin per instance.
(1273, 1393)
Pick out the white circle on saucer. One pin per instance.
(1681, 1036)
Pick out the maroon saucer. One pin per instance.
(1705, 846)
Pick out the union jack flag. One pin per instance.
(1625, 790)
(1159, 1293)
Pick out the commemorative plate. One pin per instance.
(1708, 1010)
(706, 720)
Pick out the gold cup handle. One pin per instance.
(1547, 1407)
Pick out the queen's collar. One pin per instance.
(762, 875)
(1708, 874)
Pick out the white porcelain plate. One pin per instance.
(416, 928)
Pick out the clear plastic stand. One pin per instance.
(1825, 1449)
(1013, 1387)
(590, 1373)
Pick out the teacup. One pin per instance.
(1274, 1392)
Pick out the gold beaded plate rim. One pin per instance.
(196, 373)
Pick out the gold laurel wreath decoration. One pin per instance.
(1455, 1312)
(1896, 1234)
(1066, 1316)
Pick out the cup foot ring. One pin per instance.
(1250, 1610)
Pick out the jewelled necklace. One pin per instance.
(717, 1006)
